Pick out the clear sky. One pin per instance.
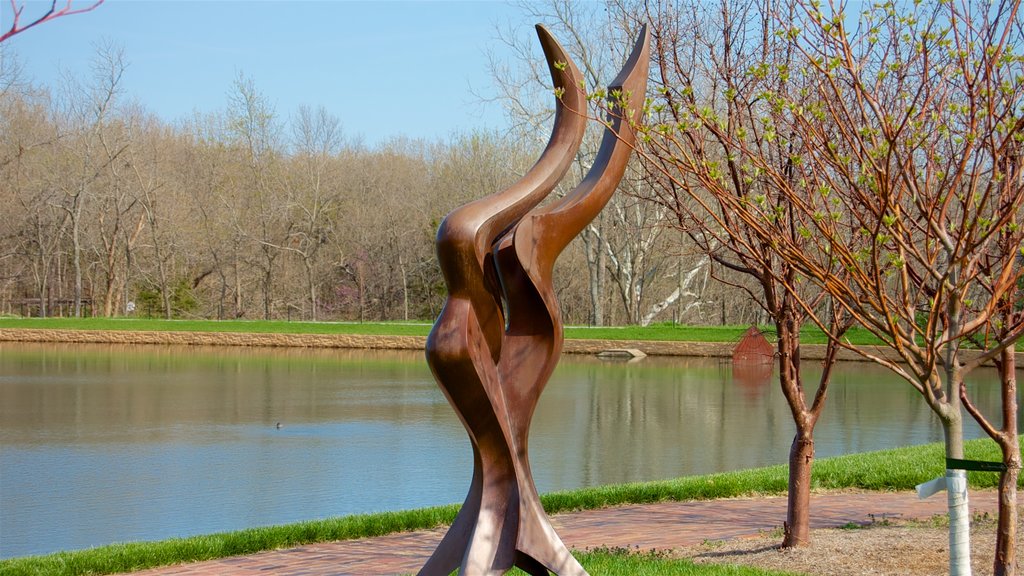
(384, 68)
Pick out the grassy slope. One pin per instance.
(898, 469)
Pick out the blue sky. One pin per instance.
(384, 68)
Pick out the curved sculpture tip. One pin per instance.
(542, 235)
(639, 59)
(470, 231)
(565, 76)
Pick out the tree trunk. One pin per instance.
(268, 283)
(950, 413)
(599, 283)
(956, 494)
(798, 512)
(267, 291)
(238, 287)
(165, 292)
(797, 528)
(1006, 550)
(44, 289)
(596, 261)
(111, 281)
(76, 248)
(405, 289)
(43, 285)
(1006, 536)
(161, 266)
(311, 287)
(223, 290)
(362, 291)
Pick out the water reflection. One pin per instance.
(752, 379)
(107, 443)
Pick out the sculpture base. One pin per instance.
(501, 525)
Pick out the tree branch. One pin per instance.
(51, 14)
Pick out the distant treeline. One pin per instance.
(246, 213)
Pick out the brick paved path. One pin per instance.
(646, 527)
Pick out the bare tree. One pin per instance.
(93, 156)
(253, 124)
(643, 255)
(147, 159)
(32, 231)
(207, 174)
(389, 203)
(118, 218)
(317, 140)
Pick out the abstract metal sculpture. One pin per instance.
(499, 336)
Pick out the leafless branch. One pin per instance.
(51, 14)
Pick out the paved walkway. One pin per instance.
(644, 527)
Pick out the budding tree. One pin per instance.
(888, 142)
(693, 150)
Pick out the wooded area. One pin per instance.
(247, 212)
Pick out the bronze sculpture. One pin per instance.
(499, 336)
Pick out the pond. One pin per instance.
(102, 444)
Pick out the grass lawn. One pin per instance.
(252, 326)
(422, 328)
(899, 469)
(621, 562)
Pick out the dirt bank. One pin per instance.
(649, 347)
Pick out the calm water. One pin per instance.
(100, 444)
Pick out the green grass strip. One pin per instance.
(898, 469)
(134, 556)
(664, 332)
(243, 326)
(619, 562)
(885, 470)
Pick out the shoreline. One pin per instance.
(896, 469)
(387, 342)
